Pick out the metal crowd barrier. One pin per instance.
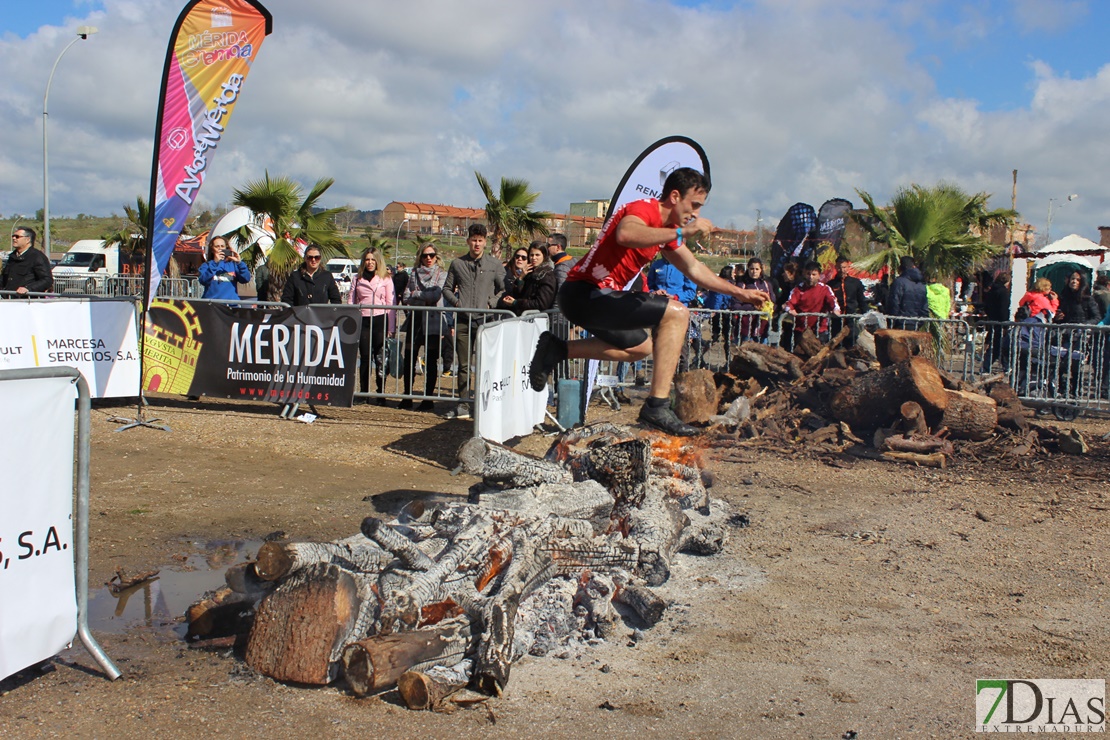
(1064, 368)
(82, 467)
(420, 363)
(123, 286)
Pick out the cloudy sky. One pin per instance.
(793, 100)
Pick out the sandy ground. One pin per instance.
(865, 597)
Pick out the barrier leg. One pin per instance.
(84, 438)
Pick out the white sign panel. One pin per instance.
(38, 603)
(505, 402)
(645, 178)
(98, 338)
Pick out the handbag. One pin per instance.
(395, 364)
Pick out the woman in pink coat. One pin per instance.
(373, 287)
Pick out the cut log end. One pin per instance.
(272, 562)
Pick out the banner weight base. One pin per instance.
(139, 422)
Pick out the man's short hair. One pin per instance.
(810, 267)
(28, 231)
(559, 239)
(842, 258)
(476, 230)
(906, 263)
(685, 179)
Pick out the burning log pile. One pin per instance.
(545, 550)
(883, 398)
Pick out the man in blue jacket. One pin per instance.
(666, 279)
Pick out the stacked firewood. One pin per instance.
(885, 397)
(442, 599)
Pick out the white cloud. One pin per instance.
(806, 101)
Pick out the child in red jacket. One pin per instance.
(1041, 299)
(812, 297)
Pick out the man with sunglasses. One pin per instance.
(475, 280)
(27, 269)
(563, 262)
(310, 283)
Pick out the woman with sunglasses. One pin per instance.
(310, 283)
(222, 272)
(373, 287)
(516, 268)
(536, 290)
(424, 328)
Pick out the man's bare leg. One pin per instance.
(670, 336)
(593, 348)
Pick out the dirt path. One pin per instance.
(864, 596)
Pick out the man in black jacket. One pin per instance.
(27, 269)
(849, 294)
(310, 283)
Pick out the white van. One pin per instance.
(89, 257)
(87, 264)
(343, 270)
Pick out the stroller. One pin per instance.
(1048, 368)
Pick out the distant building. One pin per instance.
(430, 218)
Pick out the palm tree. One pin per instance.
(508, 213)
(132, 235)
(294, 219)
(942, 228)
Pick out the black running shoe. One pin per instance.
(663, 419)
(550, 351)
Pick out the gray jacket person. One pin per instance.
(475, 280)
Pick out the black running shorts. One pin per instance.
(620, 318)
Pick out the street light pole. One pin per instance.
(83, 32)
(1048, 221)
(397, 243)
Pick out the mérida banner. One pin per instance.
(304, 354)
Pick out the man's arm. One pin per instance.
(449, 295)
(499, 287)
(634, 233)
(688, 265)
(861, 297)
(43, 279)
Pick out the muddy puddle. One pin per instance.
(160, 602)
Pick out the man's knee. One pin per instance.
(676, 312)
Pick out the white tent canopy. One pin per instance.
(237, 218)
(1072, 248)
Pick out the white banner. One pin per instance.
(98, 338)
(645, 178)
(38, 603)
(505, 404)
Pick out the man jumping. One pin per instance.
(594, 295)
